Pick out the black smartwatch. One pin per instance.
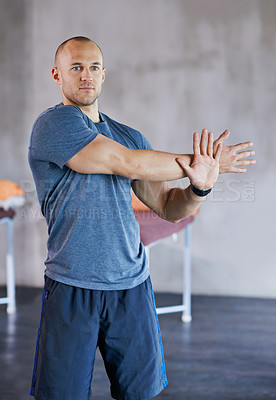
(199, 192)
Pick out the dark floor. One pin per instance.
(227, 352)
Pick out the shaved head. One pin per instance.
(80, 73)
(62, 46)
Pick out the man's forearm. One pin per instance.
(181, 203)
(156, 166)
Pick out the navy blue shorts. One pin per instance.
(123, 323)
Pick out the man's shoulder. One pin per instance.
(113, 122)
(134, 136)
(126, 129)
(58, 111)
(56, 118)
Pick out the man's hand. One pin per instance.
(233, 157)
(174, 204)
(204, 170)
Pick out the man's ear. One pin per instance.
(103, 74)
(55, 75)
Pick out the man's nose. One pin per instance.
(86, 75)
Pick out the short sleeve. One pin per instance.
(146, 144)
(60, 133)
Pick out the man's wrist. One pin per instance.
(200, 192)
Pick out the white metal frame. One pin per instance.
(10, 299)
(185, 307)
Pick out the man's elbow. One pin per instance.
(164, 214)
(176, 218)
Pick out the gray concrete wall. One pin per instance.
(173, 67)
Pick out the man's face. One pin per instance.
(80, 73)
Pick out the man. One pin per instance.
(97, 286)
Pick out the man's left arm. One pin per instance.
(169, 203)
(174, 204)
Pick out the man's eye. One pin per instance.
(94, 68)
(76, 68)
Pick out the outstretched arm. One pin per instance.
(174, 204)
(105, 156)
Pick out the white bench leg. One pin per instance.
(187, 315)
(11, 307)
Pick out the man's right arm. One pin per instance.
(105, 156)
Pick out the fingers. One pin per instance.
(248, 162)
(203, 141)
(196, 144)
(206, 143)
(242, 163)
(239, 170)
(242, 146)
(222, 137)
(210, 144)
(245, 154)
(184, 165)
(218, 152)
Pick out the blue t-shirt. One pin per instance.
(94, 239)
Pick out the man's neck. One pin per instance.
(91, 111)
(92, 114)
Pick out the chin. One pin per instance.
(86, 103)
(82, 101)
